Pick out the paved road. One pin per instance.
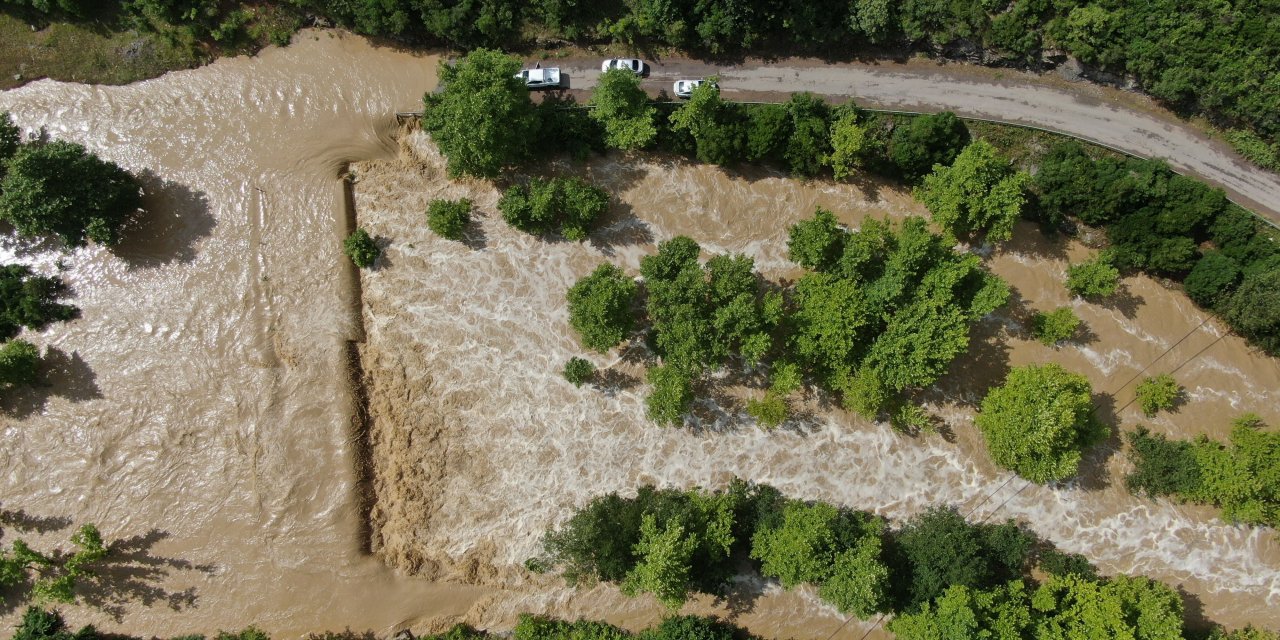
(1086, 111)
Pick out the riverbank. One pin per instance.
(466, 340)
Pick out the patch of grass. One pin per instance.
(87, 53)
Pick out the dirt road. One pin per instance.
(1122, 120)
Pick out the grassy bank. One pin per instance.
(86, 53)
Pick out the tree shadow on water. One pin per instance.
(174, 218)
(1092, 474)
(60, 374)
(619, 227)
(131, 573)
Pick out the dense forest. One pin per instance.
(1219, 59)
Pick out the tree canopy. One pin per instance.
(980, 192)
(30, 300)
(60, 189)
(623, 109)
(600, 307)
(482, 119)
(921, 143)
(1039, 422)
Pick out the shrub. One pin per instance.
(768, 129)
(809, 144)
(1055, 326)
(579, 371)
(1095, 278)
(671, 396)
(449, 218)
(1039, 422)
(361, 248)
(1158, 393)
(769, 411)
(61, 189)
(600, 307)
(1254, 309)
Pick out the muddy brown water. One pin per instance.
(200, 411)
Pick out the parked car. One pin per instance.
(637, 67)
(684, 88)
(540, 78)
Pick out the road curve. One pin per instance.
(1079, 109)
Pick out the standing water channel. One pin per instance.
(201, 409)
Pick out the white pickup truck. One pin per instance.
(540, 78)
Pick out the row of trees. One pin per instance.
(1242, 477)
(1224, 64)
(941, 576)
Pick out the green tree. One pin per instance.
(818, 243)
(671, 396)
(10, 140)
(850, 144)
(664, 563)
(769, 411)
(717, 127)
(361, 248)
(30, 300)
(809, 142)
(923, 142)
(624, 111)
(1054, 327)
(979, 193)
(690, 628)
(1161, 466)
(483, 117)
(1158, 393)
(449, 218)
(859, 580)
(974, 555)
(1212, 279)
(18, 362)
(1071, 606)
(61, 189)
(768, 129)
(47, 624)
(1039, 422)
(964, 613)
(569, 205)
(1095, 278)
(807, 541)
(1254, 309)
(578, 371)
(600, 307)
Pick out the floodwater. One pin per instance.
(201, 412)
(466, 341)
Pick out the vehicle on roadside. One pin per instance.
(633, 65)
(540, 78)
(684, 88)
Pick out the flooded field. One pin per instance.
(466, 340)
(202, 412)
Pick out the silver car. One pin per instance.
(633, 65)
(684, 88)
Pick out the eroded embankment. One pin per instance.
(480, 445)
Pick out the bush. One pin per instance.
(1158, 393)
(768, 129)
(1254, 309)
(600, 307)
(61, 189)
(1055, 326)
(923, 142)
(1095, 278)
(808, 144)
(18, 362)
(449, 218)
(671, 396)
(361, 248)
(769, 411)
(579, 371)
(1039, 422)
